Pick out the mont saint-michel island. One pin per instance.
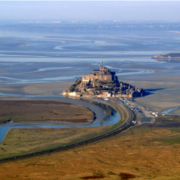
(102, 83)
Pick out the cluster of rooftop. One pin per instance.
(102, 83)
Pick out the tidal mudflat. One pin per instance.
(47, 63)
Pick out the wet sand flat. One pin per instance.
(36, 89)
(46, 89)
(176, 111)
(162, 95)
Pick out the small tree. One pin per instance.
(72, 88)
(78, 81)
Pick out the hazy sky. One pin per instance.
(91, 10)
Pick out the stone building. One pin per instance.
(103, 74)
(102, 83)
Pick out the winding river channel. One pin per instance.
(102, 118)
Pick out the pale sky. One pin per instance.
(91, 10)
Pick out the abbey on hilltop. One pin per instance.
(102, 83)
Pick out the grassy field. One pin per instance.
(22, 111)
(141, 153)
(24, 141)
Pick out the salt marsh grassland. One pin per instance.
(144, 152)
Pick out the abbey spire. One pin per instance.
(102, 64)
